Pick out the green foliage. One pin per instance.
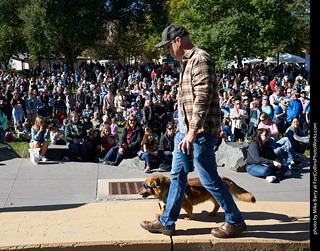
(225, 28)
(242, 28)
(12, 41)
(136, 27)
(66, 26)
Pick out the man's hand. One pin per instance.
(277, 164)
(187, 143)
(121, 151)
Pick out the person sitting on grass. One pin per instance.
(75, 135)
(10, 135)
(39, 137)
(21, 131)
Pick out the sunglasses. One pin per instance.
(132, 120)
(170, 128)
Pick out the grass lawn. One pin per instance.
(22, 148)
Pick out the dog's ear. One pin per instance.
(158, 182)
(155, 183)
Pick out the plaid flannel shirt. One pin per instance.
(198, 93)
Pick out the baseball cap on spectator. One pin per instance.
(171, 32)
(133, 103)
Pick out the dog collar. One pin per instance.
(162, 187)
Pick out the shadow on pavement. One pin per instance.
(41, 208)
(289, 228)
(7, 152)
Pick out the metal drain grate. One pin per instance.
(124, 188)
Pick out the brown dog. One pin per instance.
(158, 186)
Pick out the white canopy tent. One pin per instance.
(244, 61)
(286, 58)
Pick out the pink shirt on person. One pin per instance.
(273, 128)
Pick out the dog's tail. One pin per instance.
(237, 191)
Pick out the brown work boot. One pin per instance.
(157, 227)
(227, 230)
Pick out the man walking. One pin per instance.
(199, 127)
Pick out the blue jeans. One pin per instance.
(78, 149)
(17, 114)
(206, 167)
(146, 157)
(257, 170)
(280, 148)
(114, 155)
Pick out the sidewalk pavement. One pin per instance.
(54, 204)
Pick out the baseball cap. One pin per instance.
(171, 32)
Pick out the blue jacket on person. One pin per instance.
(34, 105)
(39, 136)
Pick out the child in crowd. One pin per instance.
(57, 136)
(111, 142)
(10, 136)
(149, 151)
(114, 128)
(21, 131)
(93, 144)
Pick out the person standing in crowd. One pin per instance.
(161, 115)
(265, 107)
(31, 107)
(17, 107)
(280, 115)
(295, 109)
(305, 104)
(199, 128)
(254, 117)
(275, 97)
(238, 117)
(70, 103)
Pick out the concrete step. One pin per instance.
(57, 152)
(116, 226)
